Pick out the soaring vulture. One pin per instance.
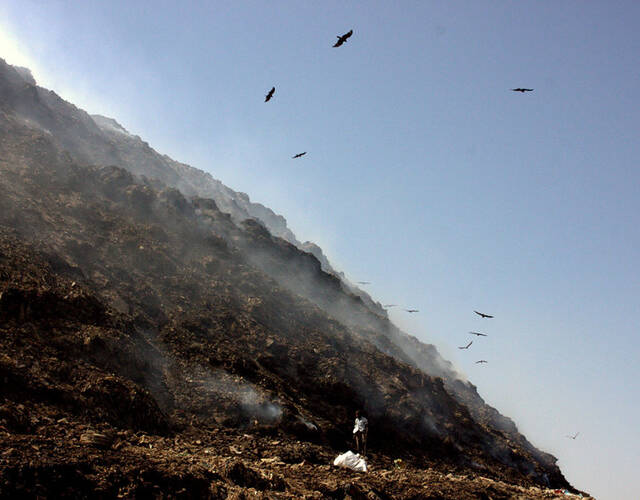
(478, 334)
(483, 315)
(343, 38)
(268, 97)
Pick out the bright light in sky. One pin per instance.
(425, 174)
(31, 53)
(13, 52)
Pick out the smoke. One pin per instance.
(232, 391)
(309, 425)
(431, 424)
(302, 274)
(293, 268)
(254, 403)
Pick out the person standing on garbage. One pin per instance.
(360, 430)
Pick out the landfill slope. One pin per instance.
(152, 343)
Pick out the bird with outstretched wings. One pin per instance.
(574, 436)
(483, 315)
(343, 38)
(481, 361)
(522, 90)
(389, 305)
(299, 155)
(412, 310)
(268, 97)
(467, 346)
(478, 334)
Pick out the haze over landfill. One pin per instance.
(425, 175)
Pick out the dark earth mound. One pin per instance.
(152, 345)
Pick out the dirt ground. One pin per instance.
(66, 460)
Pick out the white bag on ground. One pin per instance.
(352, 461)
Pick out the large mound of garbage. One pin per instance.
(151, 344)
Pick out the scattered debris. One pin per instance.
(100, 440)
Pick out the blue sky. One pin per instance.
(425, 174)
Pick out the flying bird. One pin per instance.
(343, 38)
(268, 97)
(483, 315)
(574, 436)
(389, 305)
(412, 310)
(467, 346)
(478, 334)
(363, 282)
(299, 155)
(522, 90)
(482, 361)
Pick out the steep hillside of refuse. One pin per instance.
(103, 141)
(135, 315)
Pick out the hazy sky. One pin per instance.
(425, 174)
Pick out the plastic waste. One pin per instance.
(351, 461)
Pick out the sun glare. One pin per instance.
(12, 52)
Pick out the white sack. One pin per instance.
(351, 461)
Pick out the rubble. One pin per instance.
(152, 347)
